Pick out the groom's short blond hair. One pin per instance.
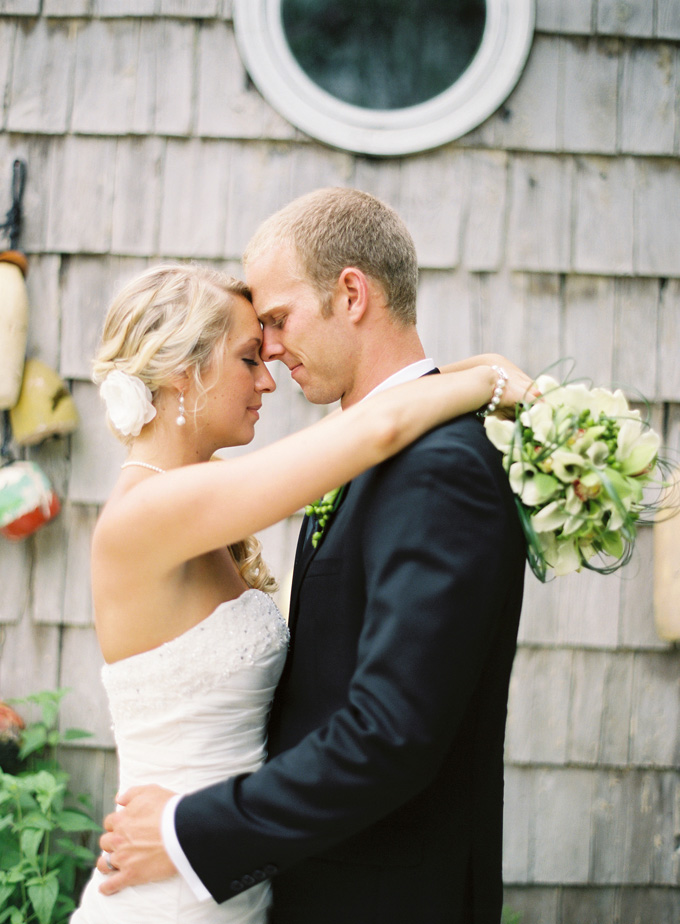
(336, 227)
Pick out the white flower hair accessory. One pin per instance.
(128, 402)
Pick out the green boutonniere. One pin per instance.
(323, 510)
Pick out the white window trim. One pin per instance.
(479, 91)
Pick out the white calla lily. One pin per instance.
(598, 453)
(500, 432)
(567, 466)
(549, 518)
(539, 417)
(636, 447)
(534, 488)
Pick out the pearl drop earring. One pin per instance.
(181, 419)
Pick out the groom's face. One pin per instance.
(317, 349)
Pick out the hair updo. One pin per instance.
(167, 321)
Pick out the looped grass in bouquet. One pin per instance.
(578, 459)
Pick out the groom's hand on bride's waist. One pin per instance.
(133, 851)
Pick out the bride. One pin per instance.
(193, 643)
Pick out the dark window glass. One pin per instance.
(384, 54)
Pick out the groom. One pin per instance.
(382, 798)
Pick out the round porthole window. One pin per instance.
(384, 77)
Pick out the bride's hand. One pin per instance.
(519, 387)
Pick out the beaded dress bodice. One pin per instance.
(187, 714)
(193, 711)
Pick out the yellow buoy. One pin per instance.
(45, 406)
(13, 325)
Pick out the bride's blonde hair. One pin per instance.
(170, 320)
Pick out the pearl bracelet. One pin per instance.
(499, 388)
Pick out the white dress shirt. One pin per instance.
(168, 832)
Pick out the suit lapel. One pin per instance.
(304, 555)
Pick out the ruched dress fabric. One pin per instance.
(185, 715)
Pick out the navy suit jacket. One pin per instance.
(382, 798)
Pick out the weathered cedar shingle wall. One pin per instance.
(552, 230)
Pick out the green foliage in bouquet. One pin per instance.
(578, 459)
(40, 822)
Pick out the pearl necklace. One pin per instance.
(154, 468)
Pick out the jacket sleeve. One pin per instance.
(433, 532)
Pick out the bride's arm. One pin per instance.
(188, 511)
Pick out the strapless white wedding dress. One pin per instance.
(185, 715)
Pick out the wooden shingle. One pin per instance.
(657, 217)
(189, 8)
(484, 231)
(625, 17)
(668, 19)
(316, 166)
(518, 844)
(97, 454)
(228, 105)
(105, 77)
(528, 119)
(80, 185)
(19, 7)
(86, 706)
(603, 215)
(44, 309)
(536, 904)
(15, 572)
(590, 95)
(586, 706)
(636, 618)
(42, 78)
(433, 194)
(499, 305)
(542, 321)
(538, 710)
(446, 323)
(139, 165)
(649, 847)
(655, 723)
(636, 336)
(169, 54)
(29, 658)
(649, 99)
(193, 212)
(112, 8)
(36, 153)
(539, 218)
(87, 287)
(561, 808)
(570, 16)
(589, 327)
(668, 367)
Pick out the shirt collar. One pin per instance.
(407, 374)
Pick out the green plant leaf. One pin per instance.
(30, 842)
(33, 739)
(83, 855)
(43, 898)
(72, 733)
(38, 821)
(13, 913)
(76, 821)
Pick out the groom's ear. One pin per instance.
(353, 293)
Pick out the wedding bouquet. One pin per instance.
(578, 459)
